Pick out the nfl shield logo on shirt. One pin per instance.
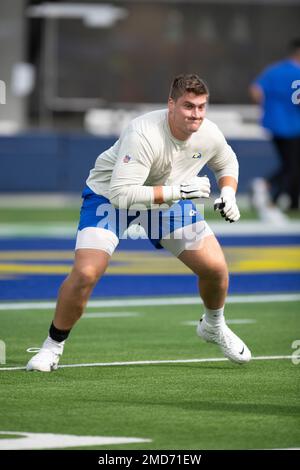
(126, 159)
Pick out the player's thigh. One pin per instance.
(207, 258)
(188, 237)
(93, 251)
(197, 247)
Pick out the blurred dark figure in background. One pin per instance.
(277, 90)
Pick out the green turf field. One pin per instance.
(209, 405)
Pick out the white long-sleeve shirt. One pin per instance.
(148, 155)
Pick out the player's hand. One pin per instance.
(226, 205)
(199, 186)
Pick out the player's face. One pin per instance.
(186, 114)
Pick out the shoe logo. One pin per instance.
(192, 213)
(242, 351)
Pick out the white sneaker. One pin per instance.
(48, 356)
(231, 345)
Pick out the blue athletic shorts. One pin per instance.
(97, 211)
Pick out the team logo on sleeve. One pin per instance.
(126, 159)
(197, 155)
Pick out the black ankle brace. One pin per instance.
(58, 335)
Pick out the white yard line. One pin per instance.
(144, 302)
(236, 321)
(144, 363)
(30, 441)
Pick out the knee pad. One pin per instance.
(186, 238)
(97, 239)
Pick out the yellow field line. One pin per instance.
(240, 260)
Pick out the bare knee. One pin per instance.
(216, 272)
(85, 276)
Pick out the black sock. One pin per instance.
(58, 335)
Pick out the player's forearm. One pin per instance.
(228, 181)
(166, 194)
(125, 196)
(158, 194)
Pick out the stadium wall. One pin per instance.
(56, 162)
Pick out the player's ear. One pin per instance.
(171, 104)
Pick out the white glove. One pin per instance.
(227, 205)
(193, 189)
(199, 186)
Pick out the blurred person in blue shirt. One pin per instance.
(277, 90)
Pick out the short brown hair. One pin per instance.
(190, 83)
